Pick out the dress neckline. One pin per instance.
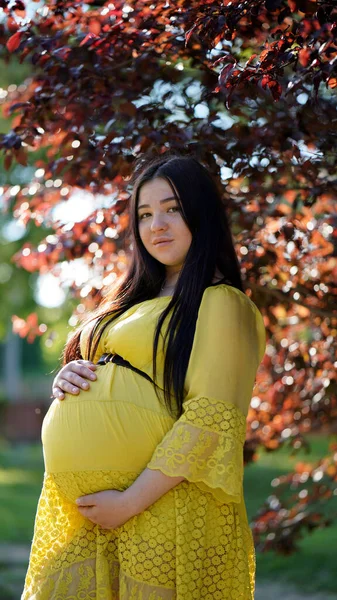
(220, 282)
(138, 304)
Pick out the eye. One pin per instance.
(174, 208)
(140, 217)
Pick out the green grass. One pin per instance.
(21, 474)
(313, 567)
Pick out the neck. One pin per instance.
(167, 288)
(172, 276)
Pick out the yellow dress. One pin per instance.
(194, 543)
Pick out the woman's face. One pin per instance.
(162, 228)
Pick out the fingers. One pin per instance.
(78, 381)
(73, 377)
(83, 370)
(57, 393)
(66, 386)
(88, 512)
(87, 363)
(86, 500)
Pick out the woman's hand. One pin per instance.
(108, 509)
(72, 378)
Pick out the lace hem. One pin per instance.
(91, 581)
(206, 447)
(186, 544)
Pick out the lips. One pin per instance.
(161, 241)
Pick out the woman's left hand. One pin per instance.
(108, 509)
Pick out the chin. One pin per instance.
(170, 263)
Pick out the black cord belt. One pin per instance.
(119, 360)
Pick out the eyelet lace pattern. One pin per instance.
(193, 543)
(206, 446)
(186, 546)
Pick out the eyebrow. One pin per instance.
(161, 202)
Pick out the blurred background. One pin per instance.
(249, 87)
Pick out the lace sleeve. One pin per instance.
(205, 445)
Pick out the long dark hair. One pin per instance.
(212, 247)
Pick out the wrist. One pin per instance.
(130, 503)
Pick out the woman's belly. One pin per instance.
(113, 428)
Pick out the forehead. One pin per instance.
(154, 191)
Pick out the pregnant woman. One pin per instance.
(143, 491)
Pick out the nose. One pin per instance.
(158, 222)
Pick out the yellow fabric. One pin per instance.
(194, 543)
(205, 444)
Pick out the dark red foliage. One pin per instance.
(249, 88)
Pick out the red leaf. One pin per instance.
(332, 82)
(250, 59)
(18, 105)
(304, 56)
(128, 108)
(28, 327)
(189, 33)
(225, 74)
(8, 161)
(226, 58)
(264, 81)
(14, 42)
(21, 157)
(90, 36)
(95, 26)
(12, 25)
(275, 89)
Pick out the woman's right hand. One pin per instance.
(72, 378)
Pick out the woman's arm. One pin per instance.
(205, 445)
(148, 488)
(111, 509)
